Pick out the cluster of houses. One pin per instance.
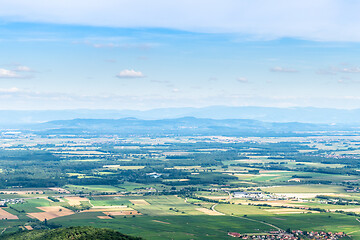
(281, 235)
(339, 202)
(353, 190)
(319, 235)
(293, 235)
(154, 174)
(5, 202)
(258, 196)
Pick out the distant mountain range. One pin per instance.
(266, 114)
(187, 126)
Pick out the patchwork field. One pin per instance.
(51, 212)
(209, 212)
(75, 200)
(123, 213)
(6, 215)
(179, 187)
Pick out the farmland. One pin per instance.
(183, 187)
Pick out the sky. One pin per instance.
(142, 54)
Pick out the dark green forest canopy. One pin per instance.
(78, 233)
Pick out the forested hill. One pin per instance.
(181, 126)
(75, 233)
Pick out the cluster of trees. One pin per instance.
(89, 233)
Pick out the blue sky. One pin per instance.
(149, 54)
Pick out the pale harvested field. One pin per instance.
(123, 167)
(51, 212)
(75, 200)
(280, 203)
(176, 153)
(60, 190)
(104, 217)
(82, 152)
(208, 211)
(112, 207)
(22, 192)
(160, 222)
(123, 213)
(139, 202)
(288, 211)
(28, 227)
(355, 210)
(4, 214)
(304, 195)
(177, 180)
(109, 208)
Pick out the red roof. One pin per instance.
(234, 234)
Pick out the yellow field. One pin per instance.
(75, 200)
(5, 215)
(287, 211)
(208, 211)
(104, 217)
(21, 192)
(355, 210)
(109, 208)
(123, 213)
(160, 222)
(51, 212)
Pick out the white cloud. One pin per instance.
(350, 70)
(322, 20)
(160, 81)
(242, 80)
(282, 69)
(336, 70)
(5, 73)
(23, 69)
(327, 71)
(141, 46)
(130, 74)
(10, 90)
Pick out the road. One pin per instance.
(250, 219)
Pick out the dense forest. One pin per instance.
(75, 233)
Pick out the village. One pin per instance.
(290, 235)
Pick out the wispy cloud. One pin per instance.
(242, 80)
(143, 46)
(21, 68)
(327, 71)
(5, 73)
(160, 81)
(130, 74)
(10, 90)
(350, 70)
(341, 69)
(283, 70)
(110, 60)
(321, 20)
